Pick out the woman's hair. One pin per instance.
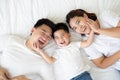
(79, 13)
(60, 26)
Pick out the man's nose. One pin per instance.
(46, 37)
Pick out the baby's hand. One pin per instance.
(21, 77)
(37, 48)
(92, 32)
(4, 75)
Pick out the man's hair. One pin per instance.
(45, 21)
(60, 26)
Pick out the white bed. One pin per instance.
(19, 16)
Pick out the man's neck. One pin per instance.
(28, 44)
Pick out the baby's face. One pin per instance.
(62, 38)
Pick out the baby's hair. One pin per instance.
(60, 26)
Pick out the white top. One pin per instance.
(69, 62)
(105, 45)
(19, 60)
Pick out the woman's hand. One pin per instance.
(94, 25)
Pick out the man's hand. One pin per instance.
(4, 75)
(21, 77)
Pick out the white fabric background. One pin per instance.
(19, 16)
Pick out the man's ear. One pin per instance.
(32, 30)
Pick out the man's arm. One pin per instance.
(21, 77)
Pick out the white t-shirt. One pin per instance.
(19, 60)
(69, 62)
(105, 45)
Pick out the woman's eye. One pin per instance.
(62, 34)
(77, 22)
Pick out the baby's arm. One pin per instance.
(88, 42)
(45, 56)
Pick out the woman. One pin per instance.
(105, 50)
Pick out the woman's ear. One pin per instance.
(85, 15)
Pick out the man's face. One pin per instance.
(41, 36)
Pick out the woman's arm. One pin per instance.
(104, 62)
(113, 32)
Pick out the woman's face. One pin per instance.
(79, 24)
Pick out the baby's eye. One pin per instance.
(55, 37)
(74, 28)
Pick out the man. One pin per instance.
(18, 56)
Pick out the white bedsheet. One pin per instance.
(19, 16)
